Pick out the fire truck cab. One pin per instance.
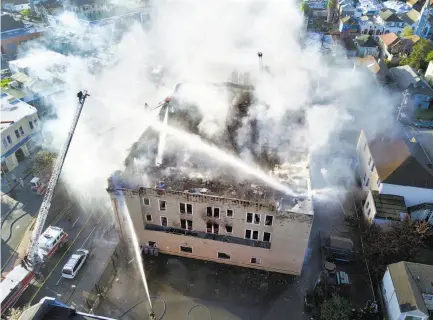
(52, 239)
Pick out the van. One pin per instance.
(74, 263)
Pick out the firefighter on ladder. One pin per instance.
(82, 96)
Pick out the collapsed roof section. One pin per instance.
(168, 163)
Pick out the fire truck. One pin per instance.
(42, 245)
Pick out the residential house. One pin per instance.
(422, 212)
(349, 24)
(88, 9)
(211, 220)
(16, 5)
(19, 129)
(369, 7)
(379, 208)
(395, 166)
(416, 91)
(347, 44)
(370, 25)
(391, 22)
(346, 8)
(407, 290)
(394, 47)
(411, 18)
(13, 33)
(375, 66)
(424, 25)
(366, 46)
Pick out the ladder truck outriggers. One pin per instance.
(42, 245)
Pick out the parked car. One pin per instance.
(75, 263)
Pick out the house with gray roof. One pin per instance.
(407, 290)
(366, 46)
(384, 207)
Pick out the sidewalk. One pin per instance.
(23, 170)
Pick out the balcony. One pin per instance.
(209, 236)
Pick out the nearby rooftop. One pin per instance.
(389, 206)
(183, 170)
(12, 110)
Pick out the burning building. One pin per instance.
(185, 199)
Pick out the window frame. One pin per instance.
(231, 232)
(144, 203)
(166, 220)
(17, 133)
(260, 219)
(272, 220)
(223, 253)
(31, 125)
(227, 213)
(258, 235)
(252, 217)
(21, 130)
(219, 212)
(180, 249)
(270, 237)
(159, 205)
(251, 234)
(148, 215)
(258, 260)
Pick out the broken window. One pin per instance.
(222, 255)
(269, 220)
(266, 237)
(189, 223)
(162, 205)
(229, 229)
(148, 217)
(182, 207)
(209, 227)
(209, 211)
(183, 223)
(189, 208)
(229, 212)
(186, 249)
(163, 221)
(216, 228)
(255, 235)
(249, 217)
(247, 234)
(257, 218)
(255, 260)
(216, 212)
(146, 202)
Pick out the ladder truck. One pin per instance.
(42, 245)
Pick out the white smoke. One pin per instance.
(204, 43)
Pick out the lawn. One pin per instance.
(424, 114)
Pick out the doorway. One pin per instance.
(20, 155)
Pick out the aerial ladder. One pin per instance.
(33, 255)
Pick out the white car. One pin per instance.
(75, 263)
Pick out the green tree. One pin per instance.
(5, 82)
(43, 163)
(429, 57)
(407, 31)
(336, 308)
(25, 13)
(417, 59)
(305, 8)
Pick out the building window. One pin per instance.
(35, 122)
(248, 234)
(378, 182)
(189, 224)
(367, 184)
(31, 125)
(365, 177)
(9, 139)
(183, 223)
(186, 249)
(269, 220)
(249, 217)
(255, 235)
(229, 212)
(148, 217)
(162, 205)
(372, 166)
(182, 208)
(5, 143)
(222, 255)
(212, 228)
(209, 211)
(369, 161)
(17, 134)
(365, 146)
(257, 218)
(189, 208)
(21, 130)
(255, 260)
(151, 244)
(216, 212)
(146, 202)
(164, 221)
(266, 236)
(229, 229)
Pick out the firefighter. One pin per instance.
(80, 96)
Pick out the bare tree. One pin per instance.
(43, 163)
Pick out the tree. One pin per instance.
(331, 10)
(400, 242)
(417, 59)
(5, 82)
(305, 8)
(43, 163)
(407, 31)
(25, 13)
(336, 308)
(429, 57)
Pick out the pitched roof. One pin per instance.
(389, 38)
(410, 281)
(369, 62)
(421, 87)
(349, 20)
(404, 76)
(9, 23)
(365, 41)
(401, 162)
(389, 16)
(389, 206)
(412, 40)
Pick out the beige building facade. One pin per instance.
(231, 231)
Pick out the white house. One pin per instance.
(407, 290)
(395, 166)
(384, 22)
(16, 5)
(19, 128)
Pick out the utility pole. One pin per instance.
(260, 55)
